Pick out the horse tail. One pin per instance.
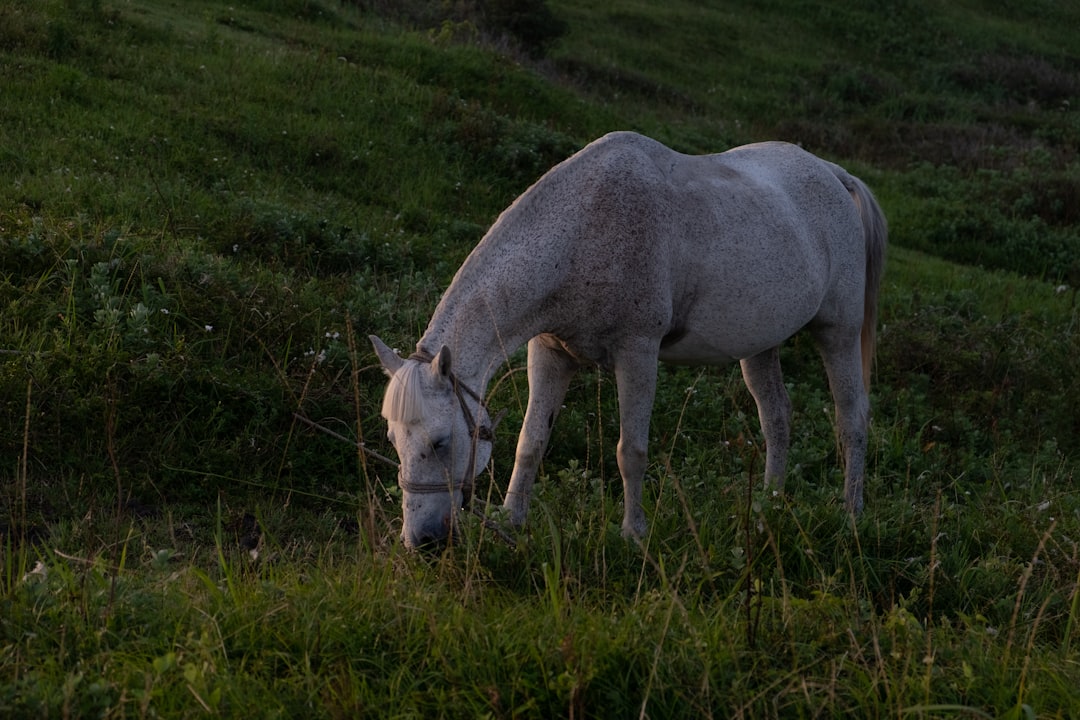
(876, 234)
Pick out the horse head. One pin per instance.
(442, 433)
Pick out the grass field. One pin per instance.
(206, 206)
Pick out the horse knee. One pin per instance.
(632, 459)
(776, 427)
(528, 455)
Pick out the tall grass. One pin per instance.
(205, 206)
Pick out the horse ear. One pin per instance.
(389, 359)
(442, 362)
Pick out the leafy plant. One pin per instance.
(207, 207)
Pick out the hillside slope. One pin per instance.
(205, 206)
(198, 200)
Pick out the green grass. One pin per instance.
(204, 209)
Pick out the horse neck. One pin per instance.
(480, 334)
(494, 303)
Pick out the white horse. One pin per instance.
(629, 252)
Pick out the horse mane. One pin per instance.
(403, 401)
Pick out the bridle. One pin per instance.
(477, 433)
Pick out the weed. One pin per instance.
(205, 206)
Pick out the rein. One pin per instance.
(477, 432)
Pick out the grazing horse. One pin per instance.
(623, 254)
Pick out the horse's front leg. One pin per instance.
(635, 376)
(550, 370)
(765, 381)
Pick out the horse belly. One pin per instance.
(686, 348)
(694, 348)
(732, 326)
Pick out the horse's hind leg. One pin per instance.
(765, 381)
(842, 355)
(550, 370)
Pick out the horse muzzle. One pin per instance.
(425, 528)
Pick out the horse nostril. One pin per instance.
(429, 535)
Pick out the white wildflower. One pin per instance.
(40, 572)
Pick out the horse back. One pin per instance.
(715, 257)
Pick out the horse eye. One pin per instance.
(440, 444)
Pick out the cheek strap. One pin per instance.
(478, 433)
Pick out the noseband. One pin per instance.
(476, 432)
